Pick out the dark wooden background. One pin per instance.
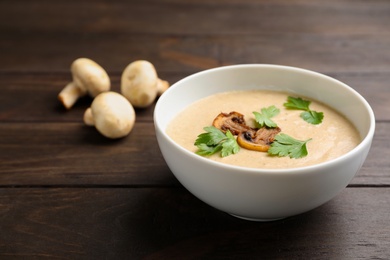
(68, 193)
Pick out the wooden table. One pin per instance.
(66, 192)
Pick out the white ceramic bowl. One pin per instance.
(263, 194)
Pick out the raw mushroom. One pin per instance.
(140, 83)
(111, 114)
(88, 78)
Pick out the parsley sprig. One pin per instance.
(310, 116)
(214, 140)
(264, 118)
(285, 145)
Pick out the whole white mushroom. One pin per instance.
(88, 78)
(111, 114)
(140, 83)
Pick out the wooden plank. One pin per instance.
(172, 224)
(33, 97)
(319, 52)
(74, 154)
(114, 51)
(197, 17)
(330, 37)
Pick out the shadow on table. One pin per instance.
(173, 224)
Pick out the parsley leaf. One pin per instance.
(213, 136)
(297, 103)
(214, 140)
(264, 118)
(310, 116)
(230, 145)
(285, 145)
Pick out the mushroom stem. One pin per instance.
(88, 117)
(162, 86)
(69, 95)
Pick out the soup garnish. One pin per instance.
(264, 138)
(310, 116)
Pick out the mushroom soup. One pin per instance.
(331, 138)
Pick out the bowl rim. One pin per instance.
(365, 142)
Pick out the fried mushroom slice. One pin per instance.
(257, 139)
(233, 121)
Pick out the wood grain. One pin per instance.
(66, 153)
(68, 193)
(192, 35)
(171, 53)
(172, 224)
(197, 17)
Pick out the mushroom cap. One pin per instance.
(113, 115)
(90, 76)
(139, 83)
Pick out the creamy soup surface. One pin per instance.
(332, 138)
